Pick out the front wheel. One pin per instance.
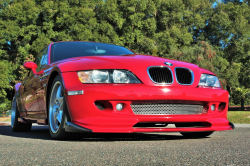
(15, 125)
(57, 110)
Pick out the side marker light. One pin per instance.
(79, 92)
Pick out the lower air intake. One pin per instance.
(166, 109)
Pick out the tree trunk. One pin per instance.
(229, 91)
(242, 103)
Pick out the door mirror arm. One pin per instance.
(32, 66)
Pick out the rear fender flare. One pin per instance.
(15, 93)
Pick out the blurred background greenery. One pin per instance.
(213, 34)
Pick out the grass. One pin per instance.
(242, 117)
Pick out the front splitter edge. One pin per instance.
(232, 125)
(72, 127)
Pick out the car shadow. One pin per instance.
(42, 132)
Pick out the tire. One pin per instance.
(193, 134)
(57, 110)
(15, 125)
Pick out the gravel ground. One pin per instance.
(227, 148)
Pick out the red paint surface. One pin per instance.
(84, 112)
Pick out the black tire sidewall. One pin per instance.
(17, 126)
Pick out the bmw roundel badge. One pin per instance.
(168, 64)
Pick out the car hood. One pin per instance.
(129, 62)
(137, 64)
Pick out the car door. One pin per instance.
(28, 95)
(32, 94)
(42, 64)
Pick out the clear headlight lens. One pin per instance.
(119, 76)
(107, 76)
(209, 80)
(100, 76)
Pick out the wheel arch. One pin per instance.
(54, 72)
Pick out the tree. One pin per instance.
(18, 32)
(240, 94)
(228, 30)
(6, 77)
(171, 29)
(205, 56)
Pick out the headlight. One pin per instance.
(209, 80)
(107, 76)
(100, 76)
(120, 76)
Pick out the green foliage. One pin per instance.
(5, 106)
(241, 92)
(173, 29)
(228, 31)
(6, 77)
(201, 54)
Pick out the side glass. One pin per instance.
(42, 59)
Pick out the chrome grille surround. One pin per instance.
(160, 73)
(166, 109)
(184, 76)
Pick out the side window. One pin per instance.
(42, 59)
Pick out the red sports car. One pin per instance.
(105, 88)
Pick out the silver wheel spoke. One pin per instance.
(61, 107)
(59, 96)
(58, 93)
(56, 107)
(59, 116)
(60, 101)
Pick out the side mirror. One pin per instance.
(31, 66)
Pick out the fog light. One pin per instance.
(119, 107)
(213, 107)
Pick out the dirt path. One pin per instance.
(5, 119)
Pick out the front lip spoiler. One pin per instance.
(72, 127)
(232, 125)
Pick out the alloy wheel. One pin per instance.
(56, 107)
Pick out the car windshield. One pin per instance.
(64, 50)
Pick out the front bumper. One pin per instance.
(84, 112)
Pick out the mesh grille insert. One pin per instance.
(160, 75)
(184, 76)
(165, 109)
